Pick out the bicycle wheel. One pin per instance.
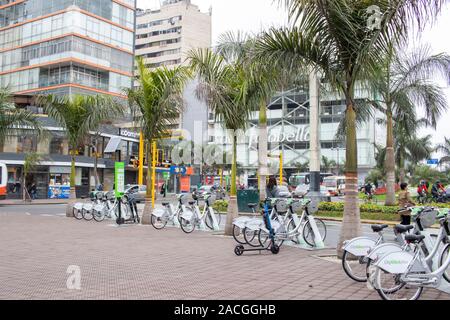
(87, 214)
(390, 287)
(290, 229)
(308, 234)
(354, 267)
(186, 225)
(442, 260)
(251, 237)
(209, 222)
(158, 222)
(99, 216)
(238, 235)
(77, 214)
(263, 237)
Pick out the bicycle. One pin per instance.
(291, 233)
(192, 218)
(407, 273)
(160, 218)
(131, 215)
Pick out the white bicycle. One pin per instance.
(192, 218)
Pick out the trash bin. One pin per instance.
(244, 197)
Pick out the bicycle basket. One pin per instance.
(281, 206)
(297, 207)
(99, 195)
(211, 199)
(428, 218)
(110, 195)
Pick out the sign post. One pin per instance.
(154, 155)
(141, 160)
(119, 186)
(433, 162)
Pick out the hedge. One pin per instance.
(371, 208)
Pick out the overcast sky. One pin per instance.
(254, 15)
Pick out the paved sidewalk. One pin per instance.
(17, 202)
(139, 262)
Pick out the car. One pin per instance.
(138, 191)
(214, 189)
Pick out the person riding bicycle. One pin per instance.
(422, 189)
(368, 190)
(438, 190)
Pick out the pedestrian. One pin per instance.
(163, 189)
(32, 191)
(404, 200)
(271, 189)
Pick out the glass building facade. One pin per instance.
(66, 46)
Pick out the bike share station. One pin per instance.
(119, 183)
(281, 223)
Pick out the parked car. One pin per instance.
(138, 191)
(215, 189)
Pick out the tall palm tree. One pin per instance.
(403, 83)
(266, 79)
(156, 104)
(335, 38)
(232, 93)
(13, 120)
(78, 115)
(445, 149)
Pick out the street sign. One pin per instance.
(119, 179)
(433, 161)
(166, 175)
(178, 170)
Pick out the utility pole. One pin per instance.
(314, 123)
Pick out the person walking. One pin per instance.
(271, 189)
(32, 191)
(163, 190)
(404, 200)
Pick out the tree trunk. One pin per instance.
(390, 161)
(96, 168)
(232, 211)
(351, 225)
(72, 196)
(262, 151)
(148, 209)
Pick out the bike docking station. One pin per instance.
(119, 183)
(272, 246)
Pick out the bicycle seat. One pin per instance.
(252, 205)
(400, 228)
(165, 203)
(412, 238)
(378, 227)
(191, 202)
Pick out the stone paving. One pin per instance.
(139, 262)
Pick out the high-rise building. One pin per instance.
(164, 36)
(66, 46)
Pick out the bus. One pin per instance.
(304, 179)
(3, 180)
(334, 185)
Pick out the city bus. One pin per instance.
(3, 180)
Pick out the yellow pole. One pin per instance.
(141, 160)
(281, 168)
(154, 155)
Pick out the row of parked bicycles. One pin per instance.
(107, 205)
(282, 220)
(187, 214)
(402, 268)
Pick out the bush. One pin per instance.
(221, 206)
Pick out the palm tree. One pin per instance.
(231, 93)
(445, 149)
(13, 121)
(403, 83)
(79, 115)
(333, 37)
(156, 105)
(266, 79)
(32, 160)
(328, 164)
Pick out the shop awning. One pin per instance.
(113, 145)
